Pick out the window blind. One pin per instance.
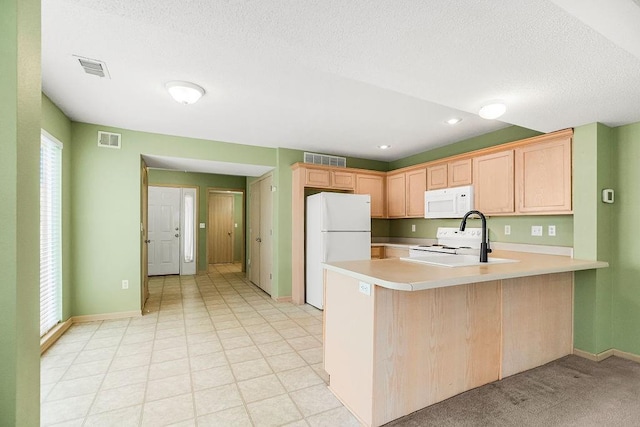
(50, 232)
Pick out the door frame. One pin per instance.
(243, 191)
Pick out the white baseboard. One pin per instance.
(606, 354)
(54, 335)
(106, 316)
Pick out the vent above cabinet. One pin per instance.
(109, 139)
(325, 160)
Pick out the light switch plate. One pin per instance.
(365, 288)
(536, 230)
(202, 225)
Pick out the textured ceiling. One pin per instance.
(342, 77)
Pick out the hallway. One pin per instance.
(211, 350)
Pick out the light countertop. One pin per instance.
(411, 276)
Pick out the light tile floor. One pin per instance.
(211, 350)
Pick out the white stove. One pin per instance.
(451, 241)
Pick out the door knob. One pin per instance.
(229, 233)
(258, 239)
(177, 235)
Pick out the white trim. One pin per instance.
(106, 316)
(52, 138)
(606, 354)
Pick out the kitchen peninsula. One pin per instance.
(400, 336)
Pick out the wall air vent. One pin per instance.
(323, 159)
(109, 139)
(93, 66)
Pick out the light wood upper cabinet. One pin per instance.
(451, 174)
(374, 186)
(343, 180)
(543, 177)
(328, 178)
(318, 178)
(396, 196)
(437, 177)
(415, 186)
(460, 173)
(493, 181)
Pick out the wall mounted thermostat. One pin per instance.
(607, 195)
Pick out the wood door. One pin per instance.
(320, 178)
(164, 231)
(373, 185)
(493, 182)
(254, 233)
(437, 177)
(396, 196)
(144, 218)
(266, 234)
(460, 173)
(543, 177)
(416, 184)
(221, 231)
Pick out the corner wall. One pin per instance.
(20, 214)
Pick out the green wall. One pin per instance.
(626, 246)
(592, 171)
(204, 182)
(58, 125)
(508, 134)
(106, 209)
(20, 103)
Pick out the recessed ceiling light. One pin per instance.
(184, 92)
(384, 147)
(493, 110)
(454, 120)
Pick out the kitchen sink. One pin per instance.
(446, 260)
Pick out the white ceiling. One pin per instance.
(343, 77)
(204, 166)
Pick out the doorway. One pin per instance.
(225, 236)
(171, 231)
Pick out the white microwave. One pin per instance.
(448, 202)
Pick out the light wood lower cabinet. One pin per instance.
(377, 252)
(395, 352)
(395, 252)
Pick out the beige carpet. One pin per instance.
(571, 391)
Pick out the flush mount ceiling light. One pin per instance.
(454, 120)
(184, 92)
(384, 147)
(493, 110)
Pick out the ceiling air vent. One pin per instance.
(93, 67)
(109, 139)
(323, 159)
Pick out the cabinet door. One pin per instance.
(416, 184)
(318, 178)
(343, 180)
(460, 173)
(436, 177)
(543, 177)
(391, 252)
(377, 252)
(372, 185)
(396, 207)
(493, 182)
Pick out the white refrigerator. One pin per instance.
(338, 229)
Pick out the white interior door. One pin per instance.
(164, 231)
(254, 233)
(266, 234)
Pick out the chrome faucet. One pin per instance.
(484, 245)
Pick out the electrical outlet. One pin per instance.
(536, 230)
(202, 225)
(125, 284)
(551, 230)
(413, 228)
(507, 230)
(365, 288)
